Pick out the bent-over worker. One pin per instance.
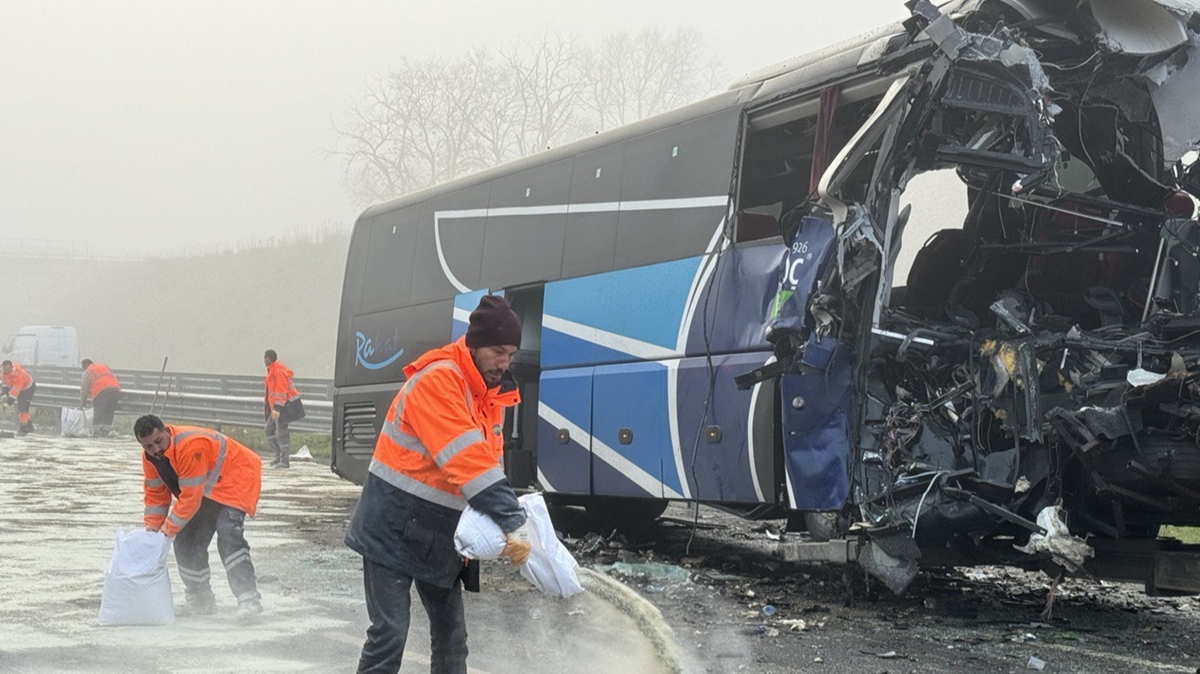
(101, 388)
(200, 482)
(18, 387)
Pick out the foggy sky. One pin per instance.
(141, 125)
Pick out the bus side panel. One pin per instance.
(526, 226)
(725, 447)
(631, 432)
(565, 431)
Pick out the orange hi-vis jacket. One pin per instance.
(442, 440)
(207, 465)
(18, 380)
(98, 377)
(279, 388)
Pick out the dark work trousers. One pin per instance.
(105, 406)
(279, 439)
(388, 603)
(191, 553)
(25, 399)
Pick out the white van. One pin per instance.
(53, 345)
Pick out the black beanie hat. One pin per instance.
(493, 323)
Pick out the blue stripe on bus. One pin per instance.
(644, 303)
(562, 350)
(608, 481)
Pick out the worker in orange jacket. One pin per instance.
(199, 482)
(440, 449)
(18, 387)
(279, 399)
(101, 388)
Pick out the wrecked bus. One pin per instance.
(713, 309)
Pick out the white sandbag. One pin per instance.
(478, 536)
(550, 566)
(76, 422)
(137, 588)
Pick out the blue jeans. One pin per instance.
(388, 605)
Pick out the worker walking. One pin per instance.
(280, 405)
(440, 449)
(101, 388)
(199, 482)
(18, 387)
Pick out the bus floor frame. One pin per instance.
(1164, 566)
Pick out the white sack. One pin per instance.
(137, 588)
(478, 536)
(550, 566)
(76, 422)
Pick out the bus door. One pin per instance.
(815, 401)
(520, 422)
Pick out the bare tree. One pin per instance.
(431, 120)
(549, 88)
(632, 77)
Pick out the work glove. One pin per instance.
(516, 548)
(9, 400)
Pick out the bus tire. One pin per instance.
(824, 525)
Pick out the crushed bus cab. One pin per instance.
(714, 310)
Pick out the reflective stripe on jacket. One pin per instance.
(18, 380)
(278, 385)
(98, 377)
(208, 465)
(442, 439)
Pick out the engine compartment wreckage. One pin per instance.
(1029, 393)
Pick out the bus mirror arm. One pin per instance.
(760, 374)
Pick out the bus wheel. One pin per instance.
(825, 525)
(625, 511)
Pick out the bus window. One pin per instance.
(591, 239)
(389, 257)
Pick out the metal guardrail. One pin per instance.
(211, 400)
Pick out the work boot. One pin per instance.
(193, 608)
(26, 428)
(247, 610)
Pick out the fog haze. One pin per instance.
(137, 126)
